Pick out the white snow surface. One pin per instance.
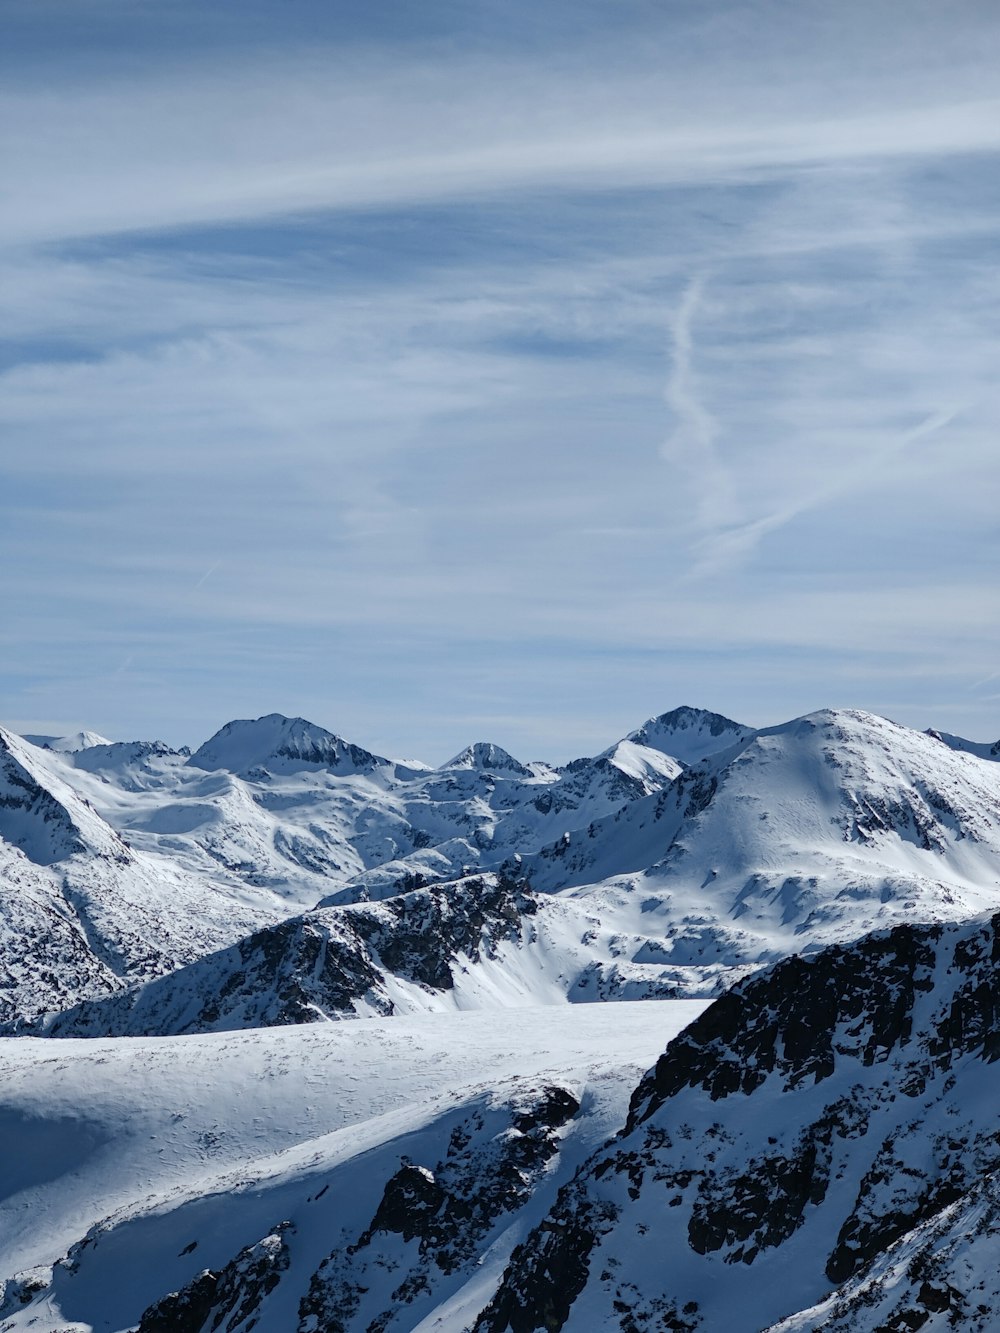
(981, 749)
(147, 1160)
(806, 834)
(172, 1154)
(660, 876)
(82, 911)
(80, 740)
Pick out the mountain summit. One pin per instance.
(281, 744)
(487, 757)
(690, 734)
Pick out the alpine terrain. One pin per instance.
(698, 1033)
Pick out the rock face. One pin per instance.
(230, 1298)
(944, 1274)
(327, 964)
(433, 1222)
(690, 734)
(807, 1122)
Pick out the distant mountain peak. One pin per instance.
(690, 734)
(277, 743)
(981, 749)
(484, 755)
(41, 815)
(80, 740)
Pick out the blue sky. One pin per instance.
(495, 370)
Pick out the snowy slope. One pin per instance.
(665, 881)
(280, 744)
(981, 749)
(818, 1150)
(943, 1274)
(80, 740)
(481, 813)
(480, 943)
(81, 911)
(689, 735)
(806, 1123)
(129, 859)
(41, 815)
(819, 1146)
(297, 814)
(148, 1162)
(814, 832)
(819, 830)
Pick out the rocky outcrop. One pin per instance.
(331, 963)
(229, 1298)
(435, 1221)
(806, 1123)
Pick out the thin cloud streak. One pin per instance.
(182, 149)
(724, 547)
(691, 447)
(538, 385)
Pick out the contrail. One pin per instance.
(207, 574)
(691, 446)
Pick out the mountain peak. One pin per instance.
(80, 740)
(41, 815)
(484, 755)
(279, 744)
(690, 734)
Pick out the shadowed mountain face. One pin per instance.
(358, 961)
(281, 744)
(818, 1149)
(690, 734)
(808, 1122)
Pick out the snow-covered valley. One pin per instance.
(195, 1138)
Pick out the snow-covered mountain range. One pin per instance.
(815, 1149)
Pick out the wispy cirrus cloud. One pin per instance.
(263, 131)
(504, 367)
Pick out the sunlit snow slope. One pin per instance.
(147, 1162)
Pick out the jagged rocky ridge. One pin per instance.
(944, 1274)
(818, 1150)
(429, 1229)
(434, 1222)
(123, 861)
(330, 964)
(810, 1120)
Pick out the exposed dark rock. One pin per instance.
(922, 1000)
(549, 1270)
(411, 1200)
(495, 1157)
(764, 1206)
(314, 966)
(229, 1299)
(855, 1001)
